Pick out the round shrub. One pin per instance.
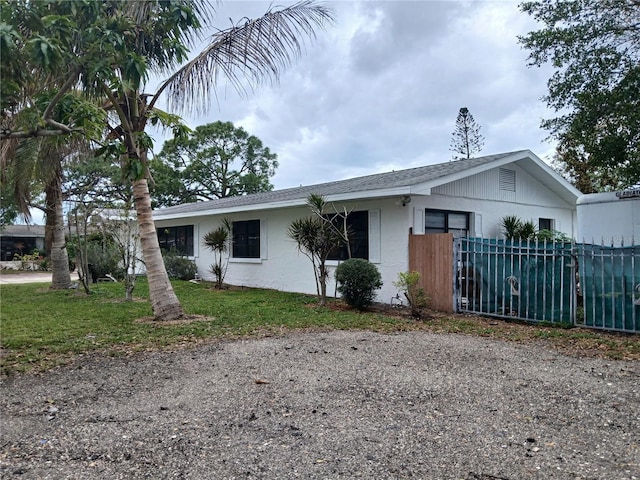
(357, 282)
(179, 267)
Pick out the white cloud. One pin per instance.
(381, 89)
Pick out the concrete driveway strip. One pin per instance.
(25, 277)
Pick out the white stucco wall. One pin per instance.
(282, 267)
(605, 218)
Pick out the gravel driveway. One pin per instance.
(324, 406)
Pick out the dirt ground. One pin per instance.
(324, 405)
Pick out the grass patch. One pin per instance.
(42, 328)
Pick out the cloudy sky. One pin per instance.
(381, 89)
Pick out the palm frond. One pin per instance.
(24, 165)
(7, 152)
(246, 54)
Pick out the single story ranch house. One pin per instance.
(466, 197)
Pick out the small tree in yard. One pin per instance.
(317, 238)
(358, 280)
(409, 284)
(126, 235)
(218, 242)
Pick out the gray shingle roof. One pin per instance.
(395, 179)
(23, 231)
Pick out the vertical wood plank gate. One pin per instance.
(432, 256)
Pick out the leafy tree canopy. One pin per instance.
(594, 46)
(216, 160)
(108, 50)
(96, 180)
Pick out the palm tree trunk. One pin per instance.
(61, 277)
(164, 301)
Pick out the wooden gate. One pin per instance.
(432, 256)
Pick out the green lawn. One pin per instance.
(41, 328)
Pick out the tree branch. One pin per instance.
(66, 86)
(116, 105)
(37, 133)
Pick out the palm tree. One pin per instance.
(317, 237)
(39, 161)
(54, 229)
(255, 50)
(118, 45)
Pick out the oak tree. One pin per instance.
(216, 160)
(594, 48)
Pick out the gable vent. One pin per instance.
(507, 180)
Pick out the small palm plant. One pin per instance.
(513, 228)
(528, 231)
(510, 225)
(317, 238)
(218, 242)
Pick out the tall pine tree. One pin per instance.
(466, 139)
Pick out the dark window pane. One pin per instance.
(545, 224)
(435, 220)
(457, 221)
(246, 239)
(178, 239)
(442, 221)
(358, 229)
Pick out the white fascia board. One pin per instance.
(228, 210)
(422, 189)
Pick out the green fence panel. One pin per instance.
(610, 287)
(527, 280)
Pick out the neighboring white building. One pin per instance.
(122, 224)
(467, 197)
(609, 218)
(20, 240)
